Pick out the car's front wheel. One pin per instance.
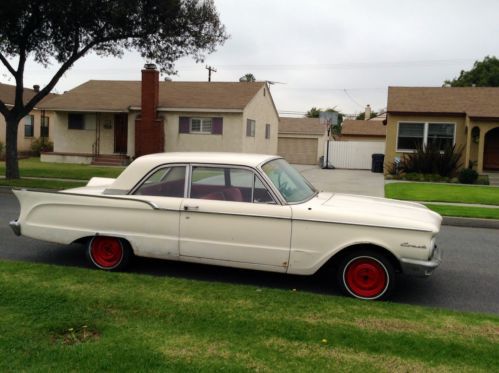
(365, 274)
(109, 253)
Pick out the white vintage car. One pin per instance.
(238, 210)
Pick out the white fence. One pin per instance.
(353, 154)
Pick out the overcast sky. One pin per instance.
(328, 53)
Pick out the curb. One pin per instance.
(470, 222)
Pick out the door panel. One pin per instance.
(235, 231)
(159, 230)
(491, 150)
(120, 133)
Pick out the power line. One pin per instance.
(340, 66)
(352, 99)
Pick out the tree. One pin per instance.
(335, 129)
(315, 112)
(247, 78)
(483, 74)
(63, 31)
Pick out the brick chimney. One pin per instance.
(367, 114)
(149, 132)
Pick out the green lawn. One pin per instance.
(443, 193)
(32, 167)
(465, 211)
(69, 319)
(41, 184)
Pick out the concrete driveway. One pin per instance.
(344, 181)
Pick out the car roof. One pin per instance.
(142, 165)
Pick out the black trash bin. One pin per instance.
(377, 163)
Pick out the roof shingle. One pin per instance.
(353, 127)
(305, 126)
(8, 94)
(474, 101)
(115, 95)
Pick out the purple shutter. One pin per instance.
(183, 125)
(217, 127)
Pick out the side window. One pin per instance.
(166, 182)
(222, 183)
(261, 193)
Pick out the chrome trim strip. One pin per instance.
(149, 203)
(421, 268)
(305, 220)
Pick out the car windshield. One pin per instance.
(292, 185)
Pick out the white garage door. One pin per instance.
(354, 154)
(297, 150)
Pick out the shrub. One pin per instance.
(429, 160)
(467, 176)
(392, 168)
(41, 145)
(483, 180)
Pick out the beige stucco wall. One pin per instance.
(262, 111)
(229, 141)
(392, 128)
(477, 150)
(81, 141)
(24, 143)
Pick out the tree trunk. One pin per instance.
(11, 163)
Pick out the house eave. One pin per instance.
(75, 110)
(426, 113)
(483, 119)
(193, 110)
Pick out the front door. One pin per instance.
(120, 133)
(491, 150)
(231, 219)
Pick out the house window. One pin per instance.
(76, 121)
(267, 131)
(166, 182)
(201, 125)
(228, 184)
(44, 127)
(250, 128)
(29, 122)
(441, 135)
(412, 135)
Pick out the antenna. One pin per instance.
(210, 69)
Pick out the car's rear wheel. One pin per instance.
(366, 274)
(109, 253)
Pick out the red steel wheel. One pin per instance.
(366, 276)
(107, 252)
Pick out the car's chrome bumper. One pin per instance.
(16, 227)
(422, 268)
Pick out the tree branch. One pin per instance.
(3, 109)
(7, 65)
(20, 79)
(64, 67)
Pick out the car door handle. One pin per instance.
(191, 208)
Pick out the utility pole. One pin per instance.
(210, 69)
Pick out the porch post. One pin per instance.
(468, 145)
(481, 148)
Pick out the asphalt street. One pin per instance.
(467, 280)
